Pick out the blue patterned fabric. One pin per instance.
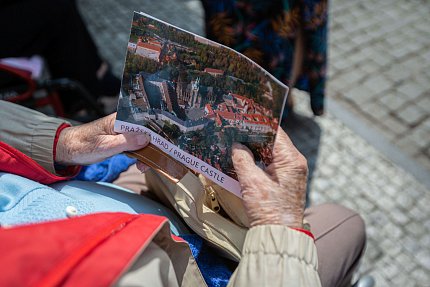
(107, 170)
(215, 269)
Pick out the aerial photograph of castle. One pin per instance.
(198, 95)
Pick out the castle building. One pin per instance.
(214, 72)
(148, 51)
(194, 99)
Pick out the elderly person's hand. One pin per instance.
(95, 141)
(277, 194)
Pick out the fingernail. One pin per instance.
(142, 139)
(144, 169)
(236, 145)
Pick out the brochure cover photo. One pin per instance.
(196, 98)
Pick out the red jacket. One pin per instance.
(92, 250)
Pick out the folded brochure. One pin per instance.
(196, 97)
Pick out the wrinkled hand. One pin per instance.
(277, 194)
(94, 142)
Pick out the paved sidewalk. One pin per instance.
(345, 168)
(380, 68)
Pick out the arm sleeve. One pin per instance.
(275, 255)
(30, 132)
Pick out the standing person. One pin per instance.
(288, 38)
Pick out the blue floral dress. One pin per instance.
(266, 31)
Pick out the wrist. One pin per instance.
(61, 151)
(62, 167)
(289, 220)
(57, 148)
(293, 220)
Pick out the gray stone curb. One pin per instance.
(373, 137)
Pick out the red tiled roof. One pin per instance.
(256, 119)
(242, 98)
(209, 108)
(154, 42)
(215, 71)
(149, 46)
(227, 115)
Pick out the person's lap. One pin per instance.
(339, 233)
(340, 240)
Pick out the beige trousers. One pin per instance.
(339, 234)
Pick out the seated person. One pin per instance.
(276, 252)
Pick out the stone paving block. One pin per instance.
(397, 73)
(421, 79)
(417, 213)
(420, 137)
(405, 261)
(356, 57)
(390, 270)
(360, 38)
(368, 67)
(415, 229)
(404, 201)
(393, 39)
(380, 279)
(412, 89)
(378, 84)
(421, 276)
(423, 161)
(426, 56)
(346, 79)
(394, 126)
(383, 58)
(392, 246)
(406, 144)
(393, 100)
(425, 240)
(375, 112)
(351, 26)
(410, 244)
(341, 64)
(388, 204)
(358, 94)
(426, 123)
(422, 26)
(411, 115)
(364, 203)
(401, 280)
(398, 52)
(400, 217)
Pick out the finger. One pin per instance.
(244, 165)
(283, 143)
(109, 124)
(103, 125)
(142, 167)
(287, 159)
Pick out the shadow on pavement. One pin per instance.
(305, 134)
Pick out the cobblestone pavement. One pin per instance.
(345, 168)
(380, 68)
